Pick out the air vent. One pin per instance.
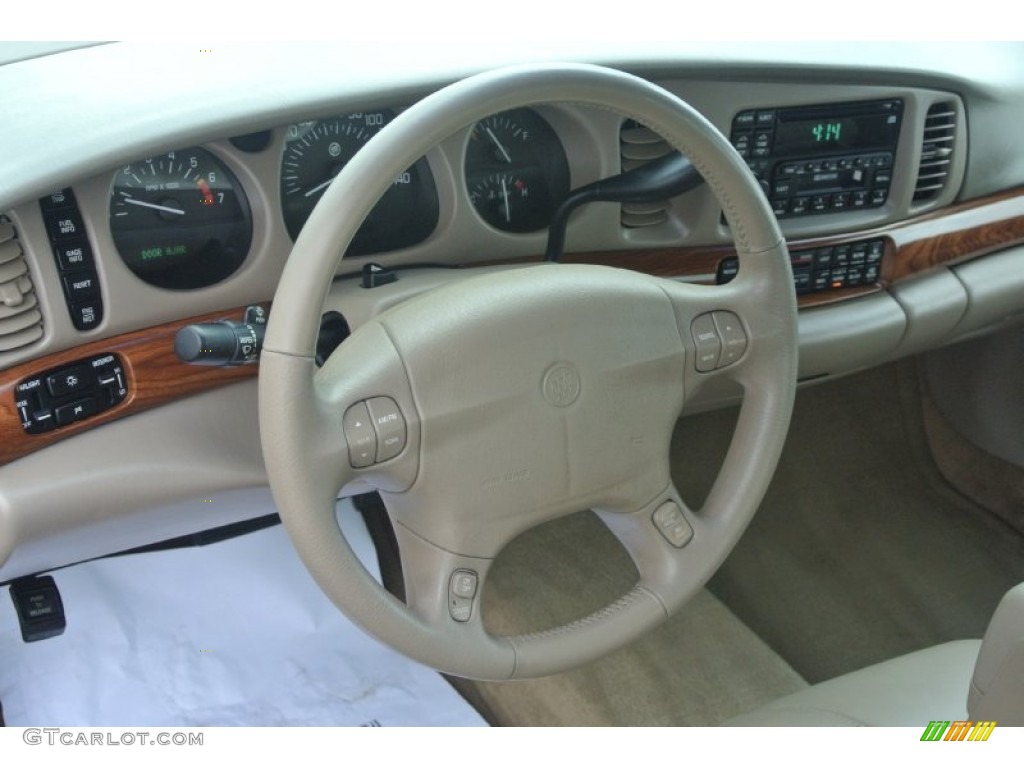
(936, 150)
(20, 320)
(638, 145)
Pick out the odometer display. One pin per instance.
(315, 152)
(180, 220)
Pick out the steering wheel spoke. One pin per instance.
(442, 588)
(662, 536)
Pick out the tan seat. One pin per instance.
(963, 680)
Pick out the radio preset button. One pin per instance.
(744, 120)
(786, 188)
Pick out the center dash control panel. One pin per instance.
(829, 268)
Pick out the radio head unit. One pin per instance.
(821, 158)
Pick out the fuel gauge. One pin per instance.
(516, 171)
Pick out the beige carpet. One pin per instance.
(860, 551)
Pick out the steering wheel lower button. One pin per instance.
(464, 583)
(461, 591)
(709, 343)
(668, 519)
(389, 426)
(360, 436)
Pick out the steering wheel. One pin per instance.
(500, 402)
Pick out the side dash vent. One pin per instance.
(936, 150)
(21, 323)
(639, 145)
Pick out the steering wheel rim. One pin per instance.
(394, 357)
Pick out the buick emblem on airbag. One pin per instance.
(561, 385)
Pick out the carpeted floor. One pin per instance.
(860, 551)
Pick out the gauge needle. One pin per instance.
(504, 195)
(497, 143)
(318, 187)
(154, 206)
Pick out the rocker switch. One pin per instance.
(360, 436)
(734, 338)
(707, 341)
(389, 425)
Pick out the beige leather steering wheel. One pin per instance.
(523, 396)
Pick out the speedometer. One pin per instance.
(315, 152)
(180, 220)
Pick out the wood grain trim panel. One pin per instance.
(956, 235)
(155, 377)
(942, 238)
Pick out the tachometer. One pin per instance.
(180, 220)
(516, 171)
(315, 152)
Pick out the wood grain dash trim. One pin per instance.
(155, 377)
(947, 237)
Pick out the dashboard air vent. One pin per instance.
(936, 150)
(638, 145)
(20, 320)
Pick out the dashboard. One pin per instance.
(895, 179)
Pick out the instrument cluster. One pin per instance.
(182, 220)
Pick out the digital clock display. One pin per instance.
(813, 131)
